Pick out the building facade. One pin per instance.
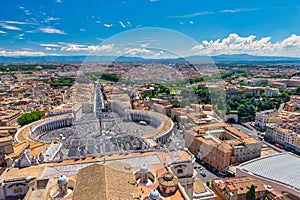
(236, 188)
(6, 147)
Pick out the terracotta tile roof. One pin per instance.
(243, 184)
(168, 179)
(18, 149)
(33, 171)
(214, 125)
(236, 142)
(6, 139)
(250, 140)
(199, 186)
(105, 181)
(236, 132)
(182, 156)
(231, 187)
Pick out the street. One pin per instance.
(209, 175)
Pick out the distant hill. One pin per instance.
(219, 58)
(249, 58)
(242, 58)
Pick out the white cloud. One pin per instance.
(106, 48)
(52, 30)
(72, 47)
(100, 39)
(192, 15)
(50, 49)
(14, 22)
(292, 41)
(108, 25)
(235, 44)
(143, 52)
(110, 49)
(2, 32)
(85, 48)
(27, 12)
(159, 54)
(136, 51)
(22, 53)
(51, 19)
(58, 1)
(191, 22)
(238, 10)
(82, 30)
(122, 24)
(144, 45)
(153, 1)
(9, 27)
(50, 45)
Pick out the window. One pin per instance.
(179, 171)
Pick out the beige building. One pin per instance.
(265, 117)
(221, 145)
(6, 147)
(10, 118)
(271, 91)
(236, 188)
(295, 98)
(286, 135)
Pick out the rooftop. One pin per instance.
(106, 182)
(6, 139)
(283, 168)
(199, 186)
(240, 184)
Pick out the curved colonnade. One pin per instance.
(31, 132)
(52, 124)
(162, 124)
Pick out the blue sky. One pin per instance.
(73, 27)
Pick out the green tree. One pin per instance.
(207, 183)
(27, 118)
(250, 194)
(111, 77)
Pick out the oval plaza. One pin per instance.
(104, 124)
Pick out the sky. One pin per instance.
(190, 27)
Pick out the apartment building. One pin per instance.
(296, 98)
(271, 91)
(220, 145)
(265, 117)
(9, 118)
(6, 147)
(237, 187)
(286, 135)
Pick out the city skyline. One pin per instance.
(60, 27)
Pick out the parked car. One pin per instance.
(203, 174)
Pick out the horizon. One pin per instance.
(47, 28)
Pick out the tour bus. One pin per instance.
(143, 123)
